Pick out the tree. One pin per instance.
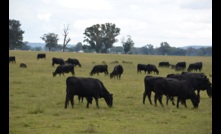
(164, 48)
(101, 37)
(15, 34)
(66, 40)
(51, 40)
(128, 44)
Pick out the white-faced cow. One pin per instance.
(175, 88)
(61, 69)
(103, 68)
(88, 88)
(75, 62)
(118, 70)
(58, 61)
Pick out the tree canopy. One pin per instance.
(101, 37)
(15, 34)
(51, 40)
(128, 44)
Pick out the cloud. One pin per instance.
(44, 16)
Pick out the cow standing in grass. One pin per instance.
(118, 70)
(88, 88)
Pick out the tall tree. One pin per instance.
(51, 40)
(66, 40)
(164, 48)
(101, 37)
(128, 44)
(15, 34)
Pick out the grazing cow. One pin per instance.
(23, 65)
(175, 88)
(197, 82)
(88, 88)
(149, 82)
(195, 66)
(180, 66)
(12, 59)
(41, 56)
(58, 61)
(141, 67)
(61, 69)
(99, 69)
(75, 62)
(164, 64)
(152, 68)
(118, 70)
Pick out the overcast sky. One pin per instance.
(177, 22)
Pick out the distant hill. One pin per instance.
(194, 46)
(42, 45)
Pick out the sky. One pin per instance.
(177, 22)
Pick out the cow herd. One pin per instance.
(182, 86)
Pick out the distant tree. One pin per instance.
(51, 40)
(127, 44)
(66, 40)
(25, 46)
(164, 48)
(15, 34)
(101, 37)
(78, 47)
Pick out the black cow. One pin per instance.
(195, 66)
(73, 61)
(57, 61)
(197, 82)
(118, 70)
(61, 69)
(41, 56)
(12, 59)
(141, 67)
(23, 65)
(149, 83)
(99, 69)
(152, 68)
(88, 88)
(180, 66)
(164, 64)
(175, 88)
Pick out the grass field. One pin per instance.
(36, 98)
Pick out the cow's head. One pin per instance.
(109, 100)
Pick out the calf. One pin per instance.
(141, 67)
(118, 70)
(164, 64)
(61, 69)
(152, 68)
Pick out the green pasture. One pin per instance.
(36, 98)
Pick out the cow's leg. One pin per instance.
(144, 97)
(155, 99)
(178, 100)
(72, 100)
(149, 97)
(160, 100)
(66, 101)
(96, 100)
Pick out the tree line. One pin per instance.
(98, 38)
